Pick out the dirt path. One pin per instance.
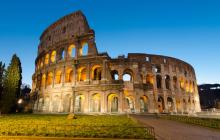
(171, 130)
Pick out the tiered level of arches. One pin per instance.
(72, 76)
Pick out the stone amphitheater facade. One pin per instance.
(72, 76)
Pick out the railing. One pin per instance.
(46, 130)
(212, 123)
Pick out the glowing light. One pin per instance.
(20, 101)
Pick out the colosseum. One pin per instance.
(71, 76)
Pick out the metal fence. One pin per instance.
(213, 123)
(46, 130)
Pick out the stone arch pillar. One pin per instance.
(63, 75)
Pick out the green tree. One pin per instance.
(2, 70)
(12, 85)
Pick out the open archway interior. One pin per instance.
(96, 103)
(113, 103)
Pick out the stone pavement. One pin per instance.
(171, 130)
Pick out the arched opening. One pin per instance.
(41, 63)
(58, 77)
(71, 51)
(84, 49)
(160, 103)
(66, 103)
(49, 78)
(69, 75)
(167, 82)
(170, 104)
(178, 106)
(175, 82)
(130, 104)
(182, 83)
(62, 54)
(79, 103)
(113, 103)
(38, 66)
(128, 75)
(143, 104)
(187, 86)
(114, 75)
(157, 69)
(47, 57)
(194, 87)
(150, 81)
(184, 105)
(191, 87)
(55, 104)
(96, 103)
(82, 74)
(159, 81)
(189, 103)
(43, 81)
(53, 56)
(97, 72)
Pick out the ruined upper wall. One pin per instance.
(169, 63)
(69, 26)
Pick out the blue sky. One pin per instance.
(186, 29)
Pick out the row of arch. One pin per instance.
(188, 86)
(95, 103)
(62, 54)
(82, 75)
(181, 106)
(113, 104)
(56, 77)
(96, 74)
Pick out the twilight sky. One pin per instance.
(185, 29)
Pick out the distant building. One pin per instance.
(72, 76)
(209, 96)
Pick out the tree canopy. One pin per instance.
(11, 85)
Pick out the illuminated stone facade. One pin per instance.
(72, 76)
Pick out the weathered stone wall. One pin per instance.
(70, 78)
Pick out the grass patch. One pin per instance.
(206, 122)
(84, 126)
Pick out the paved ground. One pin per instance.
(171, 130)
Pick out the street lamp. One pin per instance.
(20, 101)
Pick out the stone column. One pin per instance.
(103, 78)
(120, 74)
(88, 100)
(178, 81)
(88, 72)
(78, 47)
(123, 107)
(174, 105)
(60, 108)
(151, 102)
(66, 53)
(71, 105)
(155, 94)
(63, 75)
(54, 77)
(144, 80)
(75, 75)
(103, 103)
